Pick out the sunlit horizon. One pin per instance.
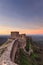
(25, 16)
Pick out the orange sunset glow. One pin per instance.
(23, 16)
(26, 31)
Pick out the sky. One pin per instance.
(25, 16)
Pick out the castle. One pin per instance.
(20, 37)
(18, 41)
(16, 35)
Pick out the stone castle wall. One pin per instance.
(16, 35)
(20, 37)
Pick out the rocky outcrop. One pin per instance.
(13, 50)
(18, 41)
(5, 58)
(8, 56)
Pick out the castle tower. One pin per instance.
(23, 40)
(15, 35)
(23, 37)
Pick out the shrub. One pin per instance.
(23, 59)
(27, 45)
(33, 57)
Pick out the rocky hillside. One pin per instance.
(28, 57)
(31, 54)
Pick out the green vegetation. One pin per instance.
(27, 45)
(23, 59)
(33, 57)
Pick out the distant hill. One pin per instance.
(3, 39)
(36, 37)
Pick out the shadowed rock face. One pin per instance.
(8, 56)
(14, 49)
(5, 58)
(17, 44)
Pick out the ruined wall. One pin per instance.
(23, 36)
